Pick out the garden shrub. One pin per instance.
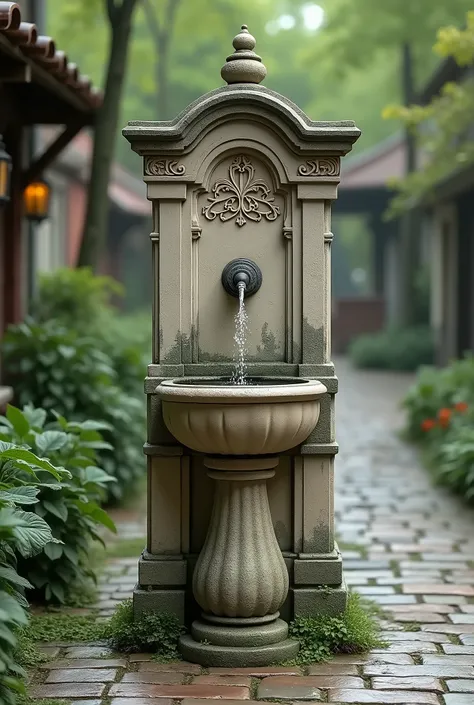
(22, 534)
(440, 418)
(57, 369)
(401, 350)
(70, 505)
(354, 631)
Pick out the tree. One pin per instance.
(359, 33)
(119, 15)
(443, 128)
(161, 32)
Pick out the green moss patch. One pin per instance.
(61, 627)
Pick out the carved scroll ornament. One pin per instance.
(241, 196)
(326, 166)
(164, 167)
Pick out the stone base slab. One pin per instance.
(227, 635)
(309, 602)
(161, 571)
(170, 601)
(324, 570)
(237, 656)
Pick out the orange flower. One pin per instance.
(444, 416)
(428, 424)
(461, 406)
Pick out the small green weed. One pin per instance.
(153, 633)
(321, 637)
(27, 653)
(62, 627)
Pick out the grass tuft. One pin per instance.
(355, 631)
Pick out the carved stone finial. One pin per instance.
(244, 65)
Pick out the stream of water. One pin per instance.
(240, 340)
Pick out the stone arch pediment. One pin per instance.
(241, 101)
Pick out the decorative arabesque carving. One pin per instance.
(164, 167)
(241, 196)
(326, 166)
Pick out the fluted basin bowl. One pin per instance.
(264, 416)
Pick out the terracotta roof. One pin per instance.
(125, 190)
(374, 167)
(26, 44)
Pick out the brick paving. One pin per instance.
(407, 546)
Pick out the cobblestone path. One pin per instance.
(406, 545)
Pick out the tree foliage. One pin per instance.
(443, 126)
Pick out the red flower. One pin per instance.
(428, 424)
(444, 416)
(461, 406)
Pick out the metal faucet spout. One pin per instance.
(241, 277)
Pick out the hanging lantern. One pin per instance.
(36, 198)
(5, 172)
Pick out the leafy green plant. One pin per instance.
(76, 297)
(70, 506)
(403, 350)
(320, 637)
(153, 633)
(440, 417)
(56, 369)
(22, 473)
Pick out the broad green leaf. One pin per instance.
(33, 536)
(18, 420)
(49, 441)
(26, 494)
(57, 507)
(97, 475)
(89, 425)
(71, 554)
(53, 551)
(14, 613)
(35, 417)
(31, 459)
(97, 514)
(12, 576)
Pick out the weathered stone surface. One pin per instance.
(88, 652)
(146, 664)
(67, 690)
(258, 672)
(223, 680)
(81, 675)
(153, 677)
(303, 687)
(416, 683)
(333, 668)
(377, 697)
(438, 589)
(178, 692)
(85, 663)
(461, 686)
(437, 671)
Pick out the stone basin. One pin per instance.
(265, 416)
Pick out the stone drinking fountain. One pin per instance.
(240, 463)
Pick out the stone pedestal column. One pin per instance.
(240, 580)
